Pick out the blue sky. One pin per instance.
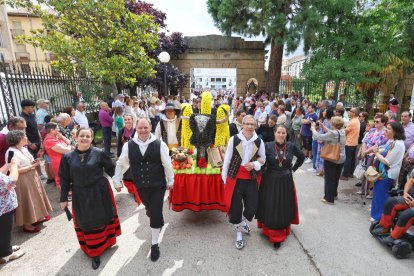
(191, 18)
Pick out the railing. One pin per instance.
(17, 83)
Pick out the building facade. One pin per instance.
(13, 23)
(293, 66)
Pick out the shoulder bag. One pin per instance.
(330, 152)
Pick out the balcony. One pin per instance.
(16, 32)
(22, 56)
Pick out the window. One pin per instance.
(200, 79)
(212, 79)
(21, 48)
(25, 68)
(223, 79)
(17, 25)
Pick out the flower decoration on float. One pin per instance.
(222, 130)
(186, 133)
(206, 99)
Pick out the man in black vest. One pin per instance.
(151, 167)
(169, 127)
(244, 157)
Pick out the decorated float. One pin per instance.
(197, 162)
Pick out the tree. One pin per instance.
(99, 37)
(343, 46)
(284, 22)
(173, 44)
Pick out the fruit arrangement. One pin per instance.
(181, 158)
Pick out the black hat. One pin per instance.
(172, 106)
(27, 103)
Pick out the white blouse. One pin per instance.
(22, 155)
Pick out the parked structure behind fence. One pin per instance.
(45, 83)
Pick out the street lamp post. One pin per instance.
(164, 58)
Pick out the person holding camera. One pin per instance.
(33, 203)
(8, 204)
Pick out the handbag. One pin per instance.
(330, 152)
(359, 171)
(372, 174)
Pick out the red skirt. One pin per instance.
(95, 242)
(132, 190)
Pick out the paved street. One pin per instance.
(330, 240)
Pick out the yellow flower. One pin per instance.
(222, 130)
(186, 132)
(206, 99)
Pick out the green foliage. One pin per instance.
(99, 37)
(283, 22)
(344, 48)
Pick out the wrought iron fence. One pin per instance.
(18, 83)
(318, 91)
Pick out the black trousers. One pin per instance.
(332, 174)
(349, 165)
(107, 136)
(153, 200)
(245, 194)
(6, 226)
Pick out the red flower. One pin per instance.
(202, 162)
(190, 151)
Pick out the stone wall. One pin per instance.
(215, 51)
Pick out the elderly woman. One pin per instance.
(33, 204)
(388, 163)
(392, 117)
(332, 169)
(56, 145)
(8, 203)
(94, 209)
(71, 112)
(324, 126)
(64, 120)
(375, 136)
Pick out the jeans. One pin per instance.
(349, 165)
(332, 174)
(314, 152)
(107, 136)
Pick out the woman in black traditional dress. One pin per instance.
(278, 206)
(93, 205)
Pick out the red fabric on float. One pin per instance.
(132, 190)
(197, 192)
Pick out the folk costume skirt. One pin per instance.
(32, 199)
(94, 242)
(278, 205)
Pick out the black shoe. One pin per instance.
(96, 262)
(155, 252)
(50, 181)
(359, 184)
(277, 244)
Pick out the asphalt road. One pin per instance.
(330, 240)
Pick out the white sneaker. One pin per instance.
(307, 161)
(245, 227)
(239, 244)
(311, 170)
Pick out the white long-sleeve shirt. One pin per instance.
(122, 164)
(247, 147)
(171, 128)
